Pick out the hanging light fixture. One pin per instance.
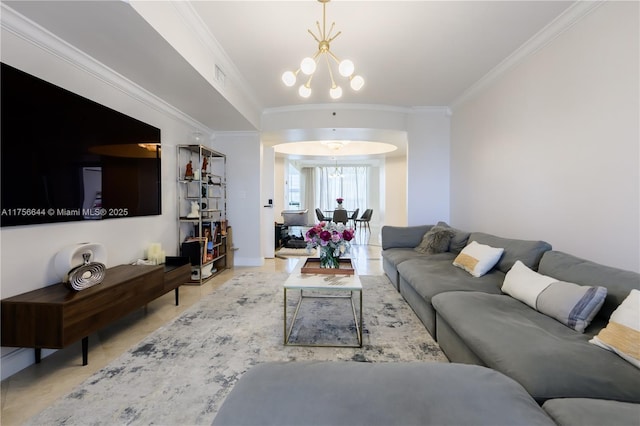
(334, 145)
(308, 66)
(336, 172)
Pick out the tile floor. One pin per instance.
(31, 390)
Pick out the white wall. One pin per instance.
(376, 196)
(26, 252)
(394, 187)
(428, 166)
(268, 193)
(551, 150)
(244, 197)
(279, 176)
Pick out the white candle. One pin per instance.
(153, 251)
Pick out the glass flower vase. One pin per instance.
(328, 259)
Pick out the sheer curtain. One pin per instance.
(308, 185)
(352, 185)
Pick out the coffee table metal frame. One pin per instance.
(322, 282)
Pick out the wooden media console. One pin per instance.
(53, 317)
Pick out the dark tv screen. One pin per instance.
(66, 158)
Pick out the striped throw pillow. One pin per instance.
(573, 305)
(622, 334)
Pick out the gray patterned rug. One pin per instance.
(181, 373)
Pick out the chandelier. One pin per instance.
(309, 64)
(337, 173)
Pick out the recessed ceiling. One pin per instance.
(335, 148)
(411, 53)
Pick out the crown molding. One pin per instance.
(336, 107)
(193, 22)
(573, 14)
(359, 107)
(236, 134)
(31, 32)
(434, 109)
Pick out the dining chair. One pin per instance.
(340, 216)
(354, 216)
(321, 217)
(365, 219)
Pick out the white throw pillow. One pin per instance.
(478, 259)
(524, 284)
(573, 305)
(622, 334)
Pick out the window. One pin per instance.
(351, 183)
(319, 187)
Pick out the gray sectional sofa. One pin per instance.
(378, 394)
(527, 368)
(326, 393)
(475, 323)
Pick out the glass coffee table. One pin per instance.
(323, 285)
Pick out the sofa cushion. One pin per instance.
(438, 275)
(354, 393)
(571, 304)
(399, 255)
(547, 358)
(459, 240)
(583, 411)
(402, 236)
(478, 259)
(435, 240)
(618, 282)
(622, 334)
(528, 252)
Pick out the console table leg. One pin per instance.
(177, 296)
(85, 350)
(38, 353)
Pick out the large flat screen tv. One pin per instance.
(67, 158)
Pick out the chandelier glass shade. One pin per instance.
(308, 65)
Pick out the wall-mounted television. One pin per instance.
(67, 158)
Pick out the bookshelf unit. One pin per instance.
(202, 231)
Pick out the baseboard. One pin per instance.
(248, 261)
(19, 359)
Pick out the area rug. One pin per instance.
(181, 373)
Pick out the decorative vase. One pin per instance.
(328, 258)
(339, 207)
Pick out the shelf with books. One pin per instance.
(201, 201)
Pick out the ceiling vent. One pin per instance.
(220, 76)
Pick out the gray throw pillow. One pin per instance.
(459, 239)
(436, 240)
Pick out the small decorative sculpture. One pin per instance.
(205, 162)
(188, 174)
(86, 275)
(195, 210)
(81, 265)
